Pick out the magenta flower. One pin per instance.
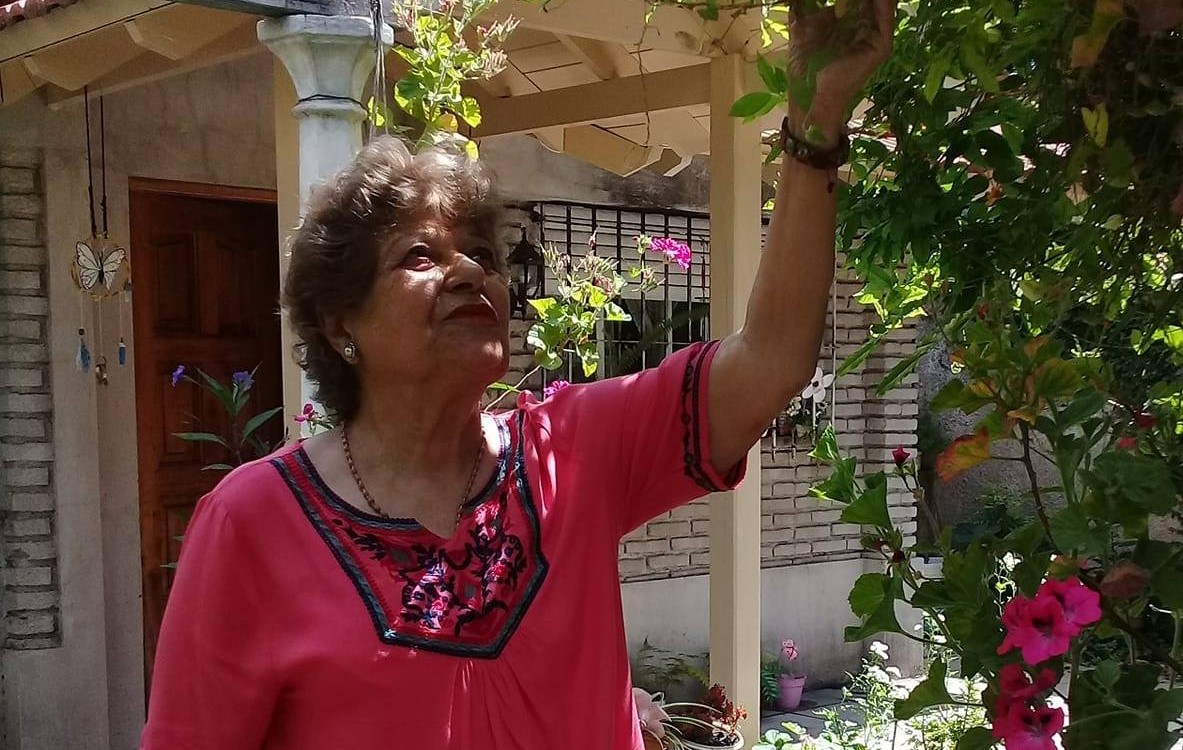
(554, 388)
(1016, 685)
(789, 650)
(678, 252)
(900, 456)
(1023, 726)
(307, 415)
(1081, 605)
(1036, 627)
(178, 374)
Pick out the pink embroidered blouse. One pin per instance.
(298, 622)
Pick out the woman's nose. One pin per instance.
(464, 272)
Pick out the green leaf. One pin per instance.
(222, 393)
(1168, 705)
(976, 738)
(470, 112)
(753, 105)
(975, 61)
(802, 90)
(870, 508)
(956, 395)
(904, 368)
(1143, 480)
(1056, 379)
(826, 449)
(504, 387)
(257, 421)
(709, 11)
(873, 600)
(1073, 530)
(201, 437)
(934, 80)
(839, 486)
(614, 313)
(1085, 405)
(930, 692)
(1096, 123)
(774, 76)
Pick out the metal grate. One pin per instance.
(666, 319)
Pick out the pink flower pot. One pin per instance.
(789, 695)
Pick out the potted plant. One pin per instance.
(790, 682)
(710, 725)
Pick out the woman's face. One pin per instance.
(439, 308)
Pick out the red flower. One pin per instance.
(1037, 627)
(1144, 421)
(1081, 605)
(900, 456)
(1028, 727)
(983, 311)
(1127, 443)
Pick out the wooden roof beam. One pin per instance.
(605, 59)
(180, 30)
(35, 34)
(578, 105)
(91, 56)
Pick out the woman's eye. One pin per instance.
(484, 256)
(419, 256)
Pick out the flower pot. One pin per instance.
(737, 744)
(789, 695)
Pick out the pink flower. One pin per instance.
(650, 714)
(1080, 604)
(788, 649)
(1023, 726)
(678, 252)
(1014, 684)
(554, 388)
(1037, 627)
(900, 456)
(307, 415)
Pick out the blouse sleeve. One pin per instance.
(648, 435)
(212, 686)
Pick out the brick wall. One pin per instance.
(796, 528)
(28, 550)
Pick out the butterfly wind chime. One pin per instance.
(100, 268)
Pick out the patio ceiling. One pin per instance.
(591, 79)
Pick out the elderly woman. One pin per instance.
(429, 576)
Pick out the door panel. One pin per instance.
(206, 277)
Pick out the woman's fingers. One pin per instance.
(885, 11)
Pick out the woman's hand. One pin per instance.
(861, 31)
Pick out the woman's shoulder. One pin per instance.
(251, 490)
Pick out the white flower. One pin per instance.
(879, 648)
(818, 386)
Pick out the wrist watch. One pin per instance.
(805, 152)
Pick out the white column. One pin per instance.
(735, 516)
(328, 60)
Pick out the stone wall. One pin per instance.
(28, 547)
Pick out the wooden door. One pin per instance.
(205, 278)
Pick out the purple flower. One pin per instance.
(242, 379)
(678, 252)
(554, 388)
(178, 374)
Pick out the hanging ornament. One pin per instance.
(122, 352)
(82, 357)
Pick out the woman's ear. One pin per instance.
(336, 330)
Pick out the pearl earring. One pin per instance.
(350, 352)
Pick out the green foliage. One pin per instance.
(439, 60)
(241, 441)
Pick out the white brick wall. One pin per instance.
(28, 547)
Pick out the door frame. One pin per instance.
(201, 190)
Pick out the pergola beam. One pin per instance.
(180, 30)
(35, 34)
(579, 105)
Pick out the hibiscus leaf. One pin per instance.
(872, 600)
(962, 454)
(931, 692)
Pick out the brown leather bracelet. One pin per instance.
(807, 153)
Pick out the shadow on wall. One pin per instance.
(966, 499)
